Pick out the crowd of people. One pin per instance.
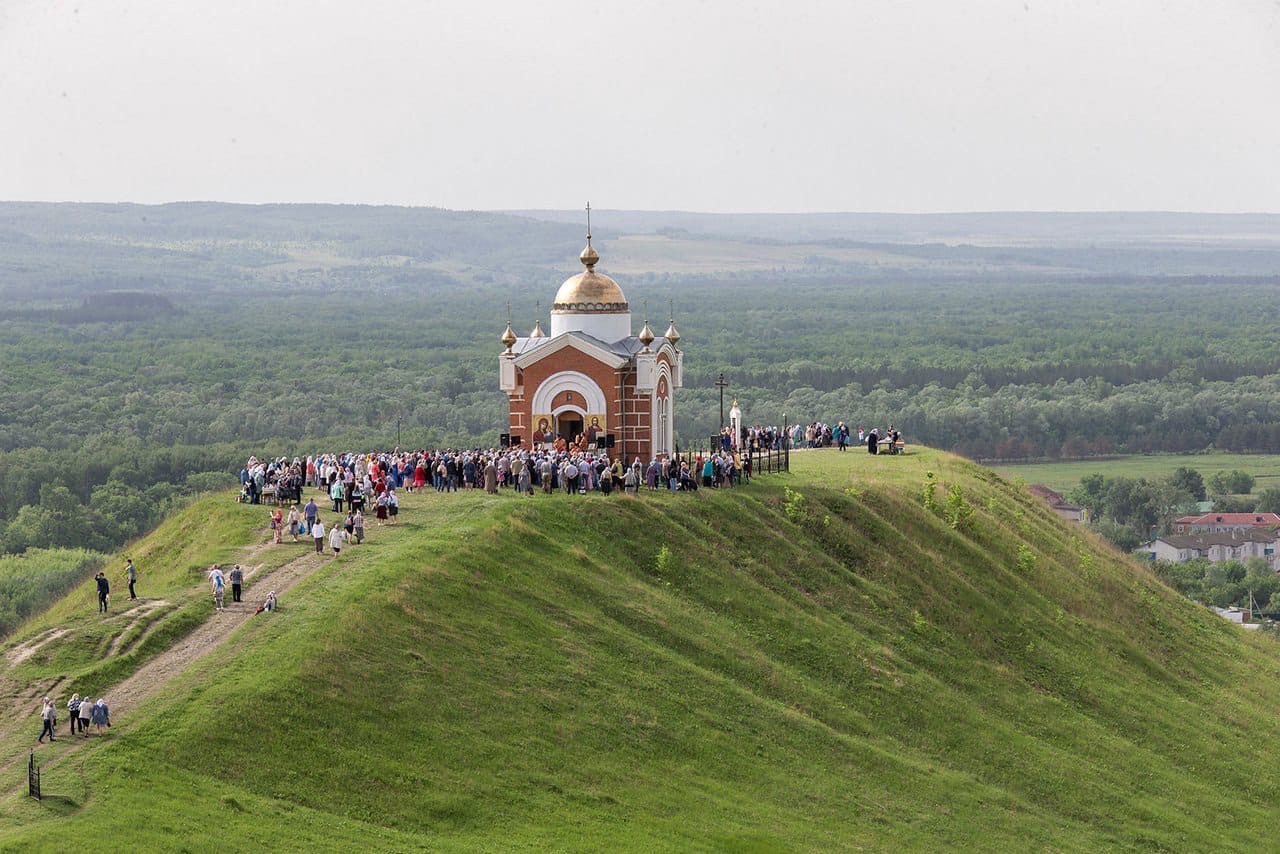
(82, 712)
(821, 435)
(351, 482)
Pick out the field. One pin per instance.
(816, 661)
(1062, 477)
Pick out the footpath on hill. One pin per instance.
(157, 673)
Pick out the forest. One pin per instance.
(148, 350)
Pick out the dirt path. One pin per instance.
(154, 676)
(22, 652)
(149, 679)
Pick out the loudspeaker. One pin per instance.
(504, 439)
(608, 440)
(515, 441)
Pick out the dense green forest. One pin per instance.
(147, 350)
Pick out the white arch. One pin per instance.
(592, 397)
(662, 414)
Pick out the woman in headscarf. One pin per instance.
(101, 715)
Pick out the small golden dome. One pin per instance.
(646, 335)
(537, 330)
(509, 336)
(672, 334)
(589, 257)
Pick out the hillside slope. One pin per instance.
(832, 667)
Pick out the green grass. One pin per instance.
(509, 674)
(1062, 477)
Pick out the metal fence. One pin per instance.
(763, 460)
(33, 777)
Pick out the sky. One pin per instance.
(707, 105)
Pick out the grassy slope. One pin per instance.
(508, 673)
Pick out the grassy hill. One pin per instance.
(813, 662)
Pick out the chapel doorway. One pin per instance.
(569, 425)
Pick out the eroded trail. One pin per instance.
(155, 675)
(149, 679)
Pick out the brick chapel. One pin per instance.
(591, 383)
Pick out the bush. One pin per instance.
(959, 513)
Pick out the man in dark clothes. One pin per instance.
(873, 442)
(104, 589)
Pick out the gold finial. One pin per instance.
(672, 334)
(509, 336)
(646, 334)
(537, 323)
(589, 257)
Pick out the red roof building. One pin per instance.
(1222, 523)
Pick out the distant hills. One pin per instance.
(1047, 228)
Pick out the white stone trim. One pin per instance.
(662, 430)
(593, 398)
(555, 345)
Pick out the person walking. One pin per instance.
(310, 512)
(317, 534)
(84, 713)
(337, 537)
(237, 579)
(104, 592)
(101, 715)
(357, 527)
(219, 584)
(131, 575)
(294, 522)
(73, 709)
(49, 716)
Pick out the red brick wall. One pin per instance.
(629, 416)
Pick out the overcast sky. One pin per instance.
(720, 105)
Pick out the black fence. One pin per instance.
(763, 460)
(33, 777)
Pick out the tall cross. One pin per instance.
(588, 223)
(721, 384)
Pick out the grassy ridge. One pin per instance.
(835, 671)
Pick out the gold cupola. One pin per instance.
(591, 302)
(646, 336)
(509, 337)
(672, 334)
(589, 291)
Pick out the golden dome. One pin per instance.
(537, 330)
(589, 291)
(509, 336)
(672, 334)
(646, 335)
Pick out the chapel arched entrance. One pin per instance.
(569, 424)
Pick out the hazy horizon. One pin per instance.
(712, 107)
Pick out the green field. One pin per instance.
(814, 662)
(1062, 477)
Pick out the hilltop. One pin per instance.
(815, 661)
